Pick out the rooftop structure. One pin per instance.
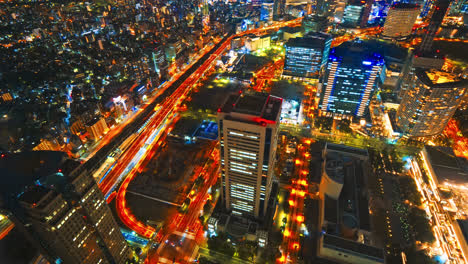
(344, 214)
(445, 166)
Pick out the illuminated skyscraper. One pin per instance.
(366, 12)
(394, 26)
(352, 14)
(59, 207)
(353, 73)
(248, 132)
(439, 10)
(266, 11)
(279, 8)
(306, 56)
(430, 102)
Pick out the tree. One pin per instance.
(207, 207)
(245, 250)
(418, 257)
(409, 190)
(219, 243)
(344, 126)
(420, 224)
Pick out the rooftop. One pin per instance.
(446, 165)
(311, 40)
(440, 79)
(405, 6)
(19, 170)
(259, 105)
(34, 195)
(357, 52)
(353, 247)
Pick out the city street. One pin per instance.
(299, 189)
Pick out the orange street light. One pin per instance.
(300, 218)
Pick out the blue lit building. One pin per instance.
(305, 57)
(354, 72)
(266, 11)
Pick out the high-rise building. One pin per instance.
(353, 14)
(439, 10)
(305, 57)
(430, 102)
(59, 207)
(354, 72)
(248, 132)
(313, 23)
(366, 12)
(325, 7)
(400, 20)
(279, 8)
(266, 11)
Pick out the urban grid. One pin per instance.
(234, 131)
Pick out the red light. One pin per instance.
(59, 170)
(219, 110)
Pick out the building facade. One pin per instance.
(354, 72)
(266, 11)
(439, 10)
(430, 102)
(305, 57)
(352, 14)
(400, 20)
(62, 211)
(248, 132)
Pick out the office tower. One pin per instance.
(439, 11)
(325, 7)
(430, 102)
(266, 11)
(59, 207)
(314, 23)
(400, 20)
(354, 72)
(305, 57)
(352, 14)
(248, 132)
(279, 8)
(366, 12)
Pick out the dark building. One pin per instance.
(306, 56)
(279, 7)
(439, 11)
(366, 12)
(59, 207)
